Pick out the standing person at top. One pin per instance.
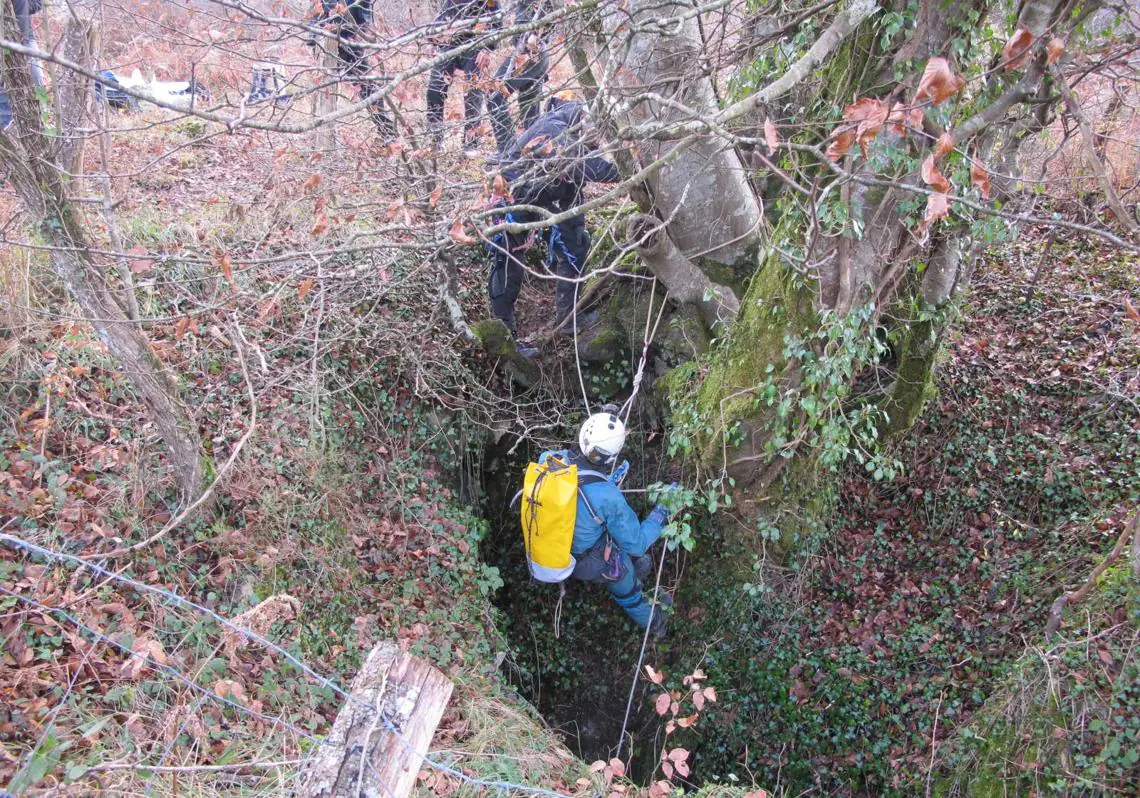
(470, 20)
(348, 26)
(523, 73)
(23, 10)
(547, 167)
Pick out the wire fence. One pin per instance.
(234, 700)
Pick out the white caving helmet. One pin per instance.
(602, 437)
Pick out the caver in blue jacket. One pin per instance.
(631, 538)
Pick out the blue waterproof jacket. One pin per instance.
(631, 535)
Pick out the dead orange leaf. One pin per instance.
(842, 142)
(1016, 50)
(1055, 49)
(980, 177)
(312, 183)
(944, 145)
(937, 207)
(938, 82)
(436, 193)
(932, 177)
(460, 236)
(304, 288)
(771, 136)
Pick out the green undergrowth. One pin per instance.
(926, 596)
(349, 518)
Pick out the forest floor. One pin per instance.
(353, 514)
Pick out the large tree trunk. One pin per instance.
(38, 168)
(803, 273)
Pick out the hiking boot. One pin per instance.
(585, 320)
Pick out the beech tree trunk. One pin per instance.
(38, 165)
(787, 275)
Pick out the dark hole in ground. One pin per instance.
(580, 680)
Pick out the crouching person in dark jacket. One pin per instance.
(547, 168)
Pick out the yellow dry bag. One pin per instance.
(549, 509)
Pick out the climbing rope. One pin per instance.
(641, 655)
(647, 338)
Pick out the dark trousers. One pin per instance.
(568, 243)
(437, 93)
(354, 66)
(527, 84)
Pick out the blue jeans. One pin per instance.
(5, 109)
(626, 591)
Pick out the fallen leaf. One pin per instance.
(842, 142)
(655, 676)
(771, 136)
(938, 82)
(1016, 50)
(304, 288)
(500, 190)
(460, 236)
(980, 177)
(710, 694)
(311, 184)
(597, 767)
(181, 326)
(618, 767)
(227, 267)
(686, 722)
(699, 700)
(436, 193)
(662, 704)
(320, 226)
(138, 263)
(1130, 310)
(932, 177)
(1055, 48)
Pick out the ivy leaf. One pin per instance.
(655, 676)
(678, 755)
(662, 704)
(618, 767)
(686, 722)
(932, 177)
(710, 694)
(699, 700)
(938, 82)
(1016, 50)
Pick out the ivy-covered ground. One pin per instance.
(905, 645)
(929, 593)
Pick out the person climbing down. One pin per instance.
(347, 21)
(473, 63)
(523, 73)
(547, 167)
(610, 544)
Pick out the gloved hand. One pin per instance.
(658, 514)
(618, 475)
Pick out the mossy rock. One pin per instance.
(498, 342)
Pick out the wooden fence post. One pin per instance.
(362, 757)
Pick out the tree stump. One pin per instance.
(363, 757)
